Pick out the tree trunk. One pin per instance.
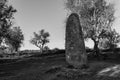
(16, 49)
(42, 48)
(96, 49)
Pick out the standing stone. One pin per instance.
(74, 43)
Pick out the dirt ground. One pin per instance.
(41, 69)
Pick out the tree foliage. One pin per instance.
(111, 39)
(40, 39)
(96, 18)
(11, 35)
(16, 37)
(6, 17)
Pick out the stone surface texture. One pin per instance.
(74, 42)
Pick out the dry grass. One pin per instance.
(52, 69)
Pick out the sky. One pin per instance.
(34, 15)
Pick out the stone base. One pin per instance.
(83, 66)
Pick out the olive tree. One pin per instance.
(15, 38)
(111, 39)
(12, 35)
(40, 39)
(6, 17)
(96, 18)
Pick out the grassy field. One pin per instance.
(53, 68)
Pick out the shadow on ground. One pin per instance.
(54, 68)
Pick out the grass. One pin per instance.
(53, 68)
(89, 74)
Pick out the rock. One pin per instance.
(74, 42)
